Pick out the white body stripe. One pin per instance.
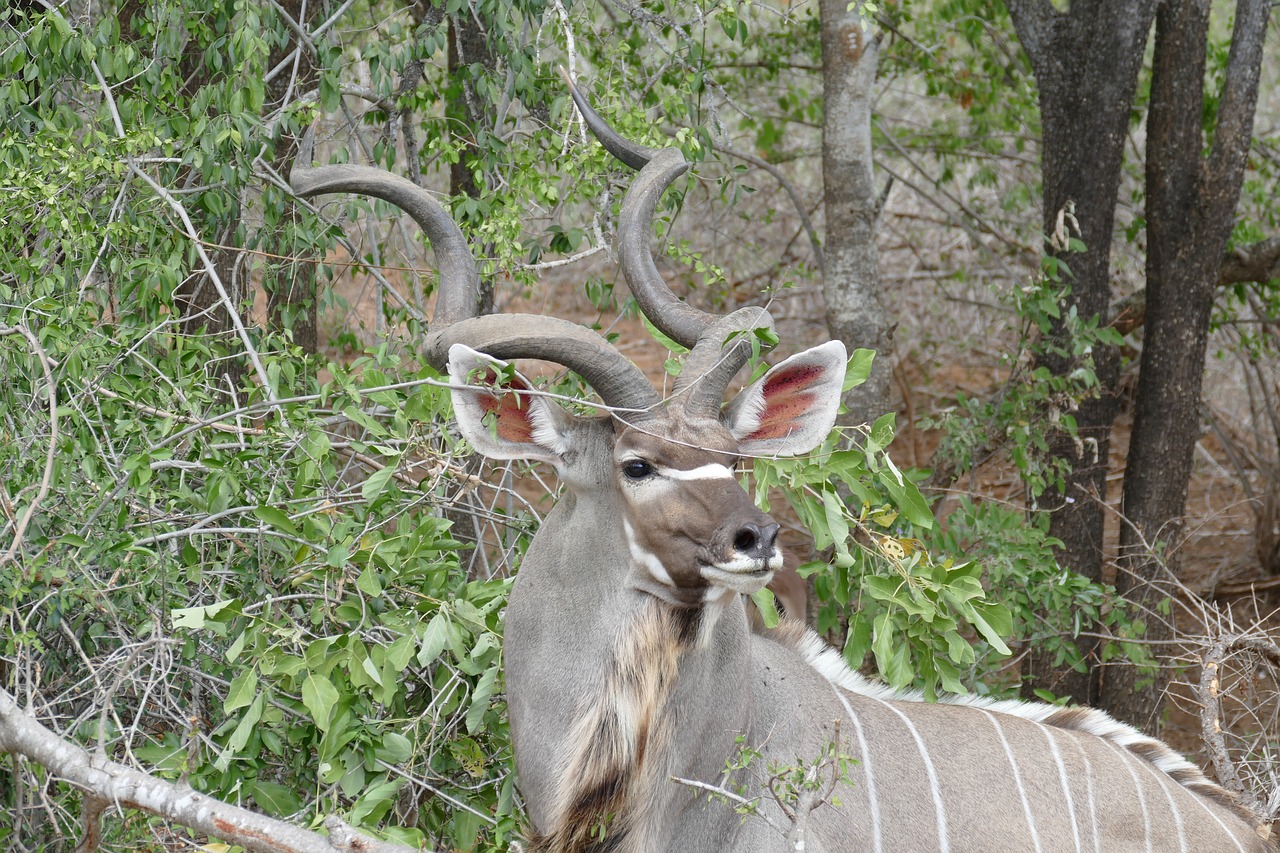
(1142, 799)
(944, 844)
(1066, 786)
(1093, 804)
(1235, 840)
(1017, 780)
(866, 766)
(1162, 779)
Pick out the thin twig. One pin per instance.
(47, 478)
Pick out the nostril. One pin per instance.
(756, 540)
(769, 536)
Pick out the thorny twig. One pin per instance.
(1210, 693)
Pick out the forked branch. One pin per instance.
(1210, 690)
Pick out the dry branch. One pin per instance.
(106, 782)
(1257, 262)
(1210, 691)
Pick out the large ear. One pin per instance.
(790, 409)
(498, 415)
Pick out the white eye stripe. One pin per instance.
(705, 472)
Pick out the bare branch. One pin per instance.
(125, 787)
(1211, 715)
(211, 271)
(1257, 262)
(790, 189)
(45, 480)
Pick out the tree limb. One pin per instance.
(1258, 262)
(790, 189)
(21, 527)
(124, 787)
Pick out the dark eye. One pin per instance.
(636, 469)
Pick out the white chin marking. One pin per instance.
(744, 576)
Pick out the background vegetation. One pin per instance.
(241, 546)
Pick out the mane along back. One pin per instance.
(832, 666)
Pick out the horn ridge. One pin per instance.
(709, 370)
(717, 357)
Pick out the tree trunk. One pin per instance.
(1190, 205)
(1086, 63)
(851, 278)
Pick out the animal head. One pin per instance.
(666, 466)
(692, 533)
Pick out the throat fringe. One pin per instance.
(620, 738)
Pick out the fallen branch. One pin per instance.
(110, 785)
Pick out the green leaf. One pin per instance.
(196, 617)
(994, 622)
(320, 696)
(882, 432)
(243, 732)
(858, 368)
(368, 581)
(378, 480)
(242, 690)
(837, 524)
(375, 802)
(338, 555)
(906, 495)
(276, 799)
(277, 518)
(395, 748)
(434, 639)
(890, 652)
(764, 601)
(480, 699)
(671, 345)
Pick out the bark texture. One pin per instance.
(851, 279)
(106, 782)
(1086, 62)
(468, 46)
(1190, 205)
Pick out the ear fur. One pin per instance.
(790, 409)
(502, 421)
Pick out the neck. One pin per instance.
(594, 666)
(620, 739)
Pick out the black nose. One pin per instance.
(756, 540)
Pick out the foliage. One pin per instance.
(244, 584)
(905, 606)
(1034, 403)
(243, 570)
(1050, 604)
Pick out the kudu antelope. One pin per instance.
(629, 661)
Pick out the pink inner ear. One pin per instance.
(786, 401)
(511, 412)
